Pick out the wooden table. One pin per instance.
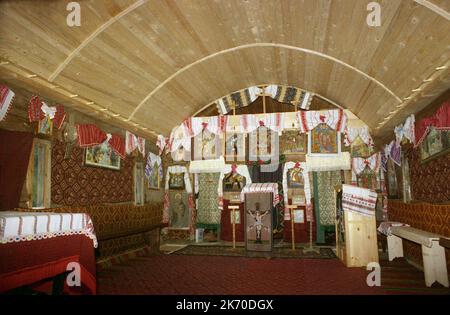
(433, 254)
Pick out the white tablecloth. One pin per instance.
(16, 226)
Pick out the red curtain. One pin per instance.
(440, 120)
(15, 149)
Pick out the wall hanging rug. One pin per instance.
(208, 212)
(302, 167)
(6, 99)
(326, 181)
(358, 200)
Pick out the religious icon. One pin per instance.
(234, 147)
(360, 149)
(179, 212)
(102, 155)
(324, 140)
(258, 225)
(295, 178)
(206, 146)
(176, 181)
(293, 142)
(233, 182)
(45, 126)
(260, 143)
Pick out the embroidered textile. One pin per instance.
(117, 143)
(26, 226)
(261, 188)
(386, 227)
(288, 94)
(326, 181)
(359, 164)
(357, 199)
(59, 117)
(208, 211)
(335, 119)
(6, 99)
(207, 166)
(153, 161)
(161, 143)
(396, 153)
(250, 122)
(351, 133)
(34, 109)
(133, 142)
(383, 161)
(89, 135)
(440, 121)
(240, 98)
(329, 163)
(405, 130)
(307, 188)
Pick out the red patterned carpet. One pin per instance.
(203, 275)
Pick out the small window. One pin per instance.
(139, 183)
(39, 175)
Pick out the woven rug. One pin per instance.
(299, 253)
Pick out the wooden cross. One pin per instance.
(263, 94)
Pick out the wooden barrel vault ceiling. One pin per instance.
(148, 65)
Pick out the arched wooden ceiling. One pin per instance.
(153, 63)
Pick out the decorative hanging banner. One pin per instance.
(440, 121)
(6, 99)
(405, 130)
(383, 161)
(262, 188)
(89, 135)
(38, 110)
(359, 165)
(215, 124)
(250, 122)
(307, 188)
(239, 99)
(150, 165)
(288, 94)
(396, 153)
(161, 143)
(335, 119)
(351, 133)
(133, 142)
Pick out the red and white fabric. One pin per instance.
(117, 143)
(133, 142)
(302, 165)
(89, 135)
(178, 138)
(34, 109)
(351, 133)
(6, 99)
(335, 119)
(228, 168)
(60, 116)
(386, 227)
(250, 122)
(262, 188)
(360, 200)
(405, 130)
(18, 226)
(359, 164)
(161, 143)
(440, 121)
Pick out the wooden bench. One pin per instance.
(433, 253)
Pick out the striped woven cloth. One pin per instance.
(262, 188)
(357, 199)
